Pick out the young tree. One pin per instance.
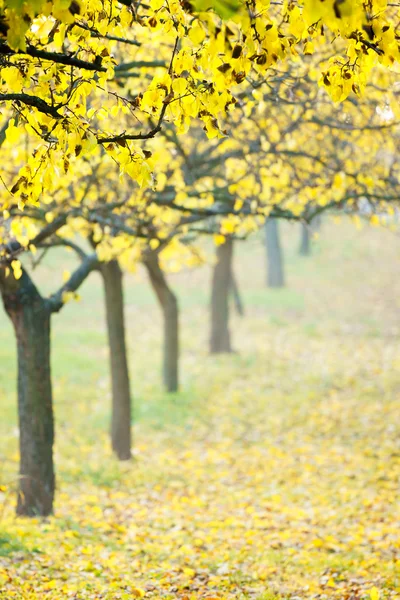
(30, 314)
(305, 239)
(236, 295)
(275, 271)
(121, 412)
(169, 306)
(220, 339)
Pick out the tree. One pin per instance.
(305, 242)
(237, 298)
(309, 156)
(220, 340)
(275, 271)
(121, 413)
(169, 306)
(30, 315)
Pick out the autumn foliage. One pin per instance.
(131, 132)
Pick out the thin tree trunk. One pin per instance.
(305, 244)
(317, 223)
(30, 315)
(169, 306)
(121, 395)
(275, 272)
(220, 340)
(237, 299)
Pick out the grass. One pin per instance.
(9, 545)
(272, 474)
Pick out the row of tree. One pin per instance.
(131, 130)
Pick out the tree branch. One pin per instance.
(67, 244)
(56, 57)
(14, 248)
(139, 136)
(138, 64)
(153, 132)
(90, 263)
(33, 101)
(106, 36)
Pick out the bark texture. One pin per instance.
(30, 315)
(121, 414)
(169, 306)
(275, 271)
(220, 339)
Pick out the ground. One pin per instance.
(273, 474)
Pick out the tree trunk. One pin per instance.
(220, 336)
(169, 306)
(30, 315)
(237, 299)
(317, 223)
(121, 396)
(305, 245)
(275, 273)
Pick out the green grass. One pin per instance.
(8, 545)
(341, 288)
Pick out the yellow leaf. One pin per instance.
(17, 269)
(219, 239)
(374, 593)
(309, 48)
(13, 133)
(197, 35)
(189, 572)
(374, 220)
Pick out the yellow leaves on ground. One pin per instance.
(374, 594)
(139, 593)
(242, 514)
(274, 476)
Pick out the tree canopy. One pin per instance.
(78, 76)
